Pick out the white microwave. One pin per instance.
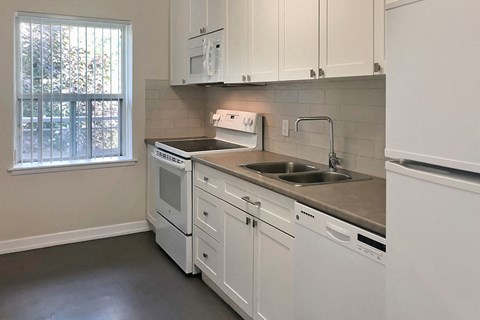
(205, 58)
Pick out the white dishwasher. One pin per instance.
(339, 269)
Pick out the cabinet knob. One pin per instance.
(184, 81)
(205, 179)
(249, 78)
(247, 221)
(321, 73)
(254, 223)
(244, 78)
(377, 67)
(205, 255)
(312, 73)
(205, 213)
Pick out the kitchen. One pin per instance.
(356, 105)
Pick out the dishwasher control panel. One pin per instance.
(350, 236)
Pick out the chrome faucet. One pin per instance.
(333, 161)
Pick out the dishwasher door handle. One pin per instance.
(338, 234)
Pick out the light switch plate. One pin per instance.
(285, 128)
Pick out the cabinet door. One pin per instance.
(298, 39)
(238, 257)
(379, 36)
(236, 41)
(215, 15)
(263, 38)
(178, 41)
(273, 270)
(346, 37)
(197, 17)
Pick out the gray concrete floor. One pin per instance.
(126, 277)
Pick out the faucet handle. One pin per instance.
(334, 161)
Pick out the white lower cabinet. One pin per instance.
(273, 273)
(248, 259)
(238, 258)
(258, 266)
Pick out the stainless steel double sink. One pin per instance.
(301, 174)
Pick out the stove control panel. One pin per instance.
(177, 162)
(236, 120)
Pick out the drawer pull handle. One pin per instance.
(205, 213)
(254, 223)
(205, 179)
(205, 255)
(247, 221)
(254, 203)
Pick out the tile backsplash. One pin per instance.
(357, 107)
(174, 111)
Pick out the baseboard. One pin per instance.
(55, 239)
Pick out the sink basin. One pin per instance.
(315, 177)
(301, 174)
(279, 167)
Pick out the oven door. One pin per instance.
(174, 192)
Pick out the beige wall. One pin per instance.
(357, 107)
(54, 202)
(174, 111)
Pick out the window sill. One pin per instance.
(74, 165)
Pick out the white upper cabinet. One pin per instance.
(263, 48)
(251, 50)
(236, 41)
(272, 40)
(298, 39)
(205, 16)
(349, 36)
(178, 41)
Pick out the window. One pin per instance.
(71, 90)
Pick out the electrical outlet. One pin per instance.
(285, 128)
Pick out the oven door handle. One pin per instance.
(180, 166)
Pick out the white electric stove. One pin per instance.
(235, 131)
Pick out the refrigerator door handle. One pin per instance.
(439, 175)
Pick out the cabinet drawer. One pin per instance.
(262, 203)
(207, 254)
(208, 179)
(208, 213)
(266, 205)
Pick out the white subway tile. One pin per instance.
(371, 97)
(374, 167)
(152, 94)
(286, 95)
(311, 96)
(341, 96)
(380, 150)
(320, 140)
(331, 111)
(311, 153)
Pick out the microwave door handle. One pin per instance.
(209, 49)
(180, 166)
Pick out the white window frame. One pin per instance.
(124, 100)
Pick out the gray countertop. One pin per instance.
(361, 203)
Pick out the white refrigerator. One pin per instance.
(433, 188)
